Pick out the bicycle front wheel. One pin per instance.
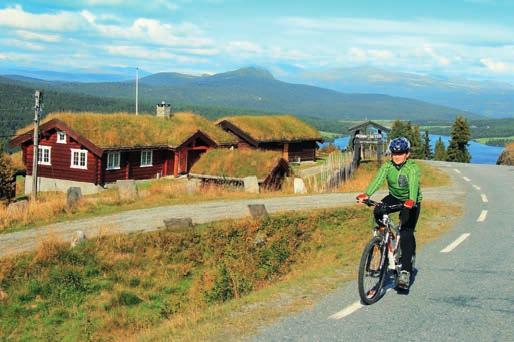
(372, 271)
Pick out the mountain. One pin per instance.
(108, 74)
(490, 98)
(256, 89)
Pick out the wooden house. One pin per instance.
(287, 134)
(233, 165)
(369, 138)
(91, 150)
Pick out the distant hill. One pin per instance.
(490, 98)
(256, 89)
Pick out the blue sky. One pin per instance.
(455, 38)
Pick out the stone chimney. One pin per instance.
(163, 110)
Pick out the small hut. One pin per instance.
(231, 166)
(369, 138)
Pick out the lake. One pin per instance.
(480, 153)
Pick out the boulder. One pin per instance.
(299, 186)
(77, 238)
(17, 207)
(178, 223)
(73, 196)
(258, 211)
(251, 184)
(127, 189)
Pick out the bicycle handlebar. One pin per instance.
(371, 203)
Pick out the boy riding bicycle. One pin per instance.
(403, 177)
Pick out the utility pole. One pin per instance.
(137, 89)
(38, 97)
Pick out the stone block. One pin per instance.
(299, 186)
(178, 223)
(251, 184)
(193, 186)
(258, 211)
(73, 196)
(17, 207)
(127, 189)
(77, 238)
(3, 295)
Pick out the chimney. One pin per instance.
(163, 110)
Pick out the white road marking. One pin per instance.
(476, 187)
(484, 198)
(482, 216)
(455, 243)
(347, 311)
(457, 170)
(466, 179)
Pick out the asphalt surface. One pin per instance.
(152, 218)
(463, 294)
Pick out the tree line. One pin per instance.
(457, 150)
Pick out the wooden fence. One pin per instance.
(336, 170)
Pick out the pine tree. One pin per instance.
(7, 186)
(440, 150)
(399, 129)
(427, 150)
(460, 136)
(411, 132)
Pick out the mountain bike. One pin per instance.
(380, 254)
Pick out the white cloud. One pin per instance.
(16, 17)
(136, 52)
(2, 56)
(497, 66)
(47, 38)
(243, 47)
(24, 45)
(357, 54)
(441, 60)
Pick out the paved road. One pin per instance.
(463, 294)
(152, 219)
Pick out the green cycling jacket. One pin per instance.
(403, 181)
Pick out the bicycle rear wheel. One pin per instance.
(372, 271)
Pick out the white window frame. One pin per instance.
(59, 140)
(40, 155)
(111, 159)
(80, 152)
(144, 163)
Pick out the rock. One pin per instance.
(260, 239)
(299, 186)
(127, 189)
(17, 207)
(73, 196)
(258, 211)
(193, 186)
(78, 238)
(3, 295)
(507, 156)
(178, 223)
(251, 184)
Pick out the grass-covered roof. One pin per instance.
(237, 163)
(129, 130)
(274, 127)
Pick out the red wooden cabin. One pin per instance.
(92, 150)
(294, 138)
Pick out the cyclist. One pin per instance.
(403, 177)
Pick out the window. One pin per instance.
(113, 160)
(44, 155)
(146, 158)
(61, 137)
(78, 159)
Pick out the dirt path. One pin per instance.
(152, 219)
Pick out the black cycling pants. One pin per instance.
(408, 221)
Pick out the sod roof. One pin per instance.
(237, 163)
(274, 128)
(128, 130)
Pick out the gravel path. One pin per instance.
(152, 219)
